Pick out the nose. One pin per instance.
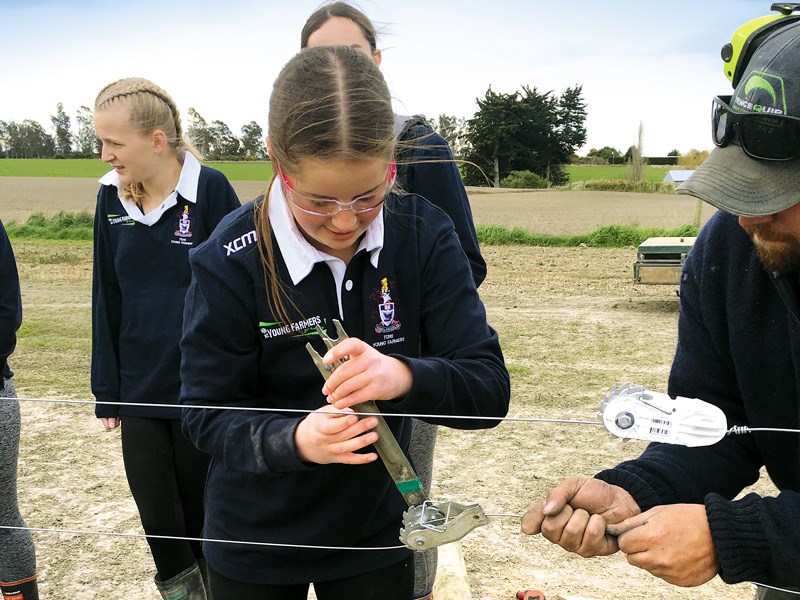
(345, 219)
(105, 154)
(750, 221)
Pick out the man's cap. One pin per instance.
(728, 178)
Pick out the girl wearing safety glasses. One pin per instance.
(296, 473)
(426, 167)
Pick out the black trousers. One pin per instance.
(167, 477)
(395, 582)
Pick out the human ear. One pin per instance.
(376, 57)
(159, 140)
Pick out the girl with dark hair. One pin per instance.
(425, 166)
(331, 239)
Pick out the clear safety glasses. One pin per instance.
(328, 207)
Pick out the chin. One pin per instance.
(779, 257)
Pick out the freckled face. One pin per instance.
(343, 180)
(131, 154)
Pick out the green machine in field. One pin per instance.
(660, 260)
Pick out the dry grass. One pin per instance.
(572, 324)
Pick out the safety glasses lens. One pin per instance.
(769, 138)
(719, 125)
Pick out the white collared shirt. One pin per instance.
(187, 188)
(300, 256)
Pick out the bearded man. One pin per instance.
(679, 512)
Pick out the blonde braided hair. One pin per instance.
(150, 108)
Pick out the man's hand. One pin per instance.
(671, 542)
(575, 513)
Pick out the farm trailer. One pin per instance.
(660, 260)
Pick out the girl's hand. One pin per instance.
(110, 423)
(328, 435)
(366, 375)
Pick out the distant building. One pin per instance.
(677, 175)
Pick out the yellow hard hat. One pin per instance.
(737, 53)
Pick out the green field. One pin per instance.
(52, 167)
(95, 168)
(260, 171)
(591, 172)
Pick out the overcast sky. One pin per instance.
(638, 60)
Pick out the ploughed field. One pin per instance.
(572, 324)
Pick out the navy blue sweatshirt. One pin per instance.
(141, 273)
(738, 348)
(236, 352)
(426, 167)
(10, 303)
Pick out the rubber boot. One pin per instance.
(203, 565)
(24, 589)
(186, 585)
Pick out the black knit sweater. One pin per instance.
(738, 348)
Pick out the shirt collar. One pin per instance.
(300, 256)
(187, 188)
(190, 177)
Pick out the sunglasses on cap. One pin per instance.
(762, 136)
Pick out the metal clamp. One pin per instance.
(432, 524)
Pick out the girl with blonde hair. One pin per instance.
(155, 205)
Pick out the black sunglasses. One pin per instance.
(762, 136)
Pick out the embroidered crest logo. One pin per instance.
(387, 323)
(184, 223)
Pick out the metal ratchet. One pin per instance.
(426, 523)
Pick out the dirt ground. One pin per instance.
(572, 324)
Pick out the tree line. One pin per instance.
(214, 141)
(526, 131)
(29, 139)
(608, 155)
